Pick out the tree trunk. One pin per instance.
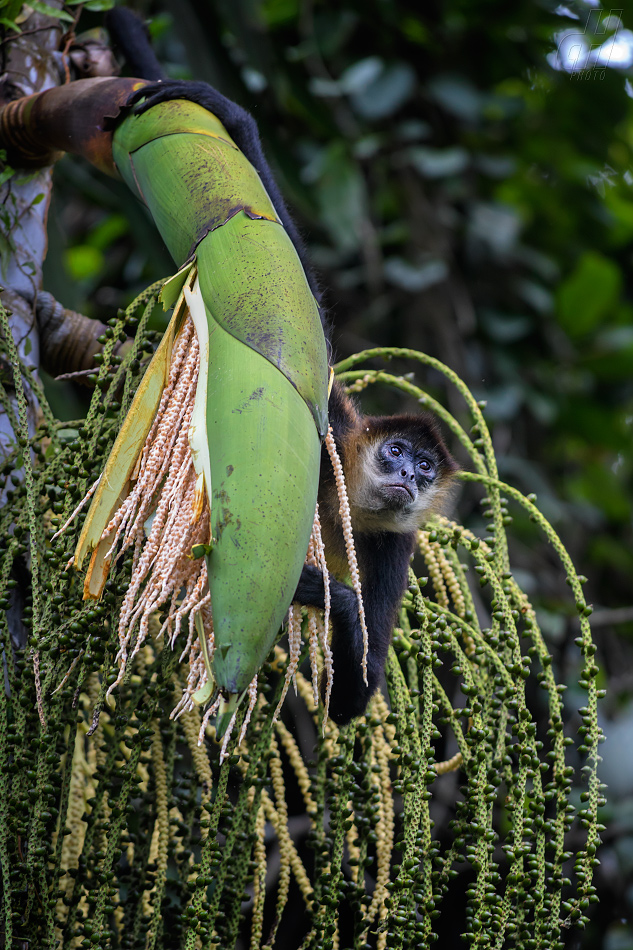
(31, 64)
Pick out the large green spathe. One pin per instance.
(261, 403)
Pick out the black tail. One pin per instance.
(130, 37)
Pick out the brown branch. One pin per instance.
(68, 339)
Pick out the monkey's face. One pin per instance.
(401, 476)
(401, 473)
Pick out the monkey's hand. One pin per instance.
(350, 695)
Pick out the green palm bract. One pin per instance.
(197, 184)
(266, 373)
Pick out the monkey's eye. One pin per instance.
(425, 466)
(395, 450)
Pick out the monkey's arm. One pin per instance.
(242, 128)
(384, 582)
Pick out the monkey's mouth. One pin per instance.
(401, 492)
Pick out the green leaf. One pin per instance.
(112, 227)
(621, 231)
(83, 262)
(438, 162)
(458, 96)
(612, 357)
(11, 8)
(98, 6)
(40, 7)
(589, 295)
(534, 294)
(173, 287)
(360, 75)
(414, 277)
(342, 196)
(7, 248)
(386, 93)
(503, 402)
(598, 485)
(277, 12)
(505, 327)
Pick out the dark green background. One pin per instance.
(460, 196)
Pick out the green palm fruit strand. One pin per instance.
(264, 370)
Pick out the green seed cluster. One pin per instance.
(118, 832)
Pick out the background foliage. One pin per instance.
(462, 196)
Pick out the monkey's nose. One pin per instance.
(405, 473)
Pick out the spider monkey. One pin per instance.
(397, 469)
(398, 473)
